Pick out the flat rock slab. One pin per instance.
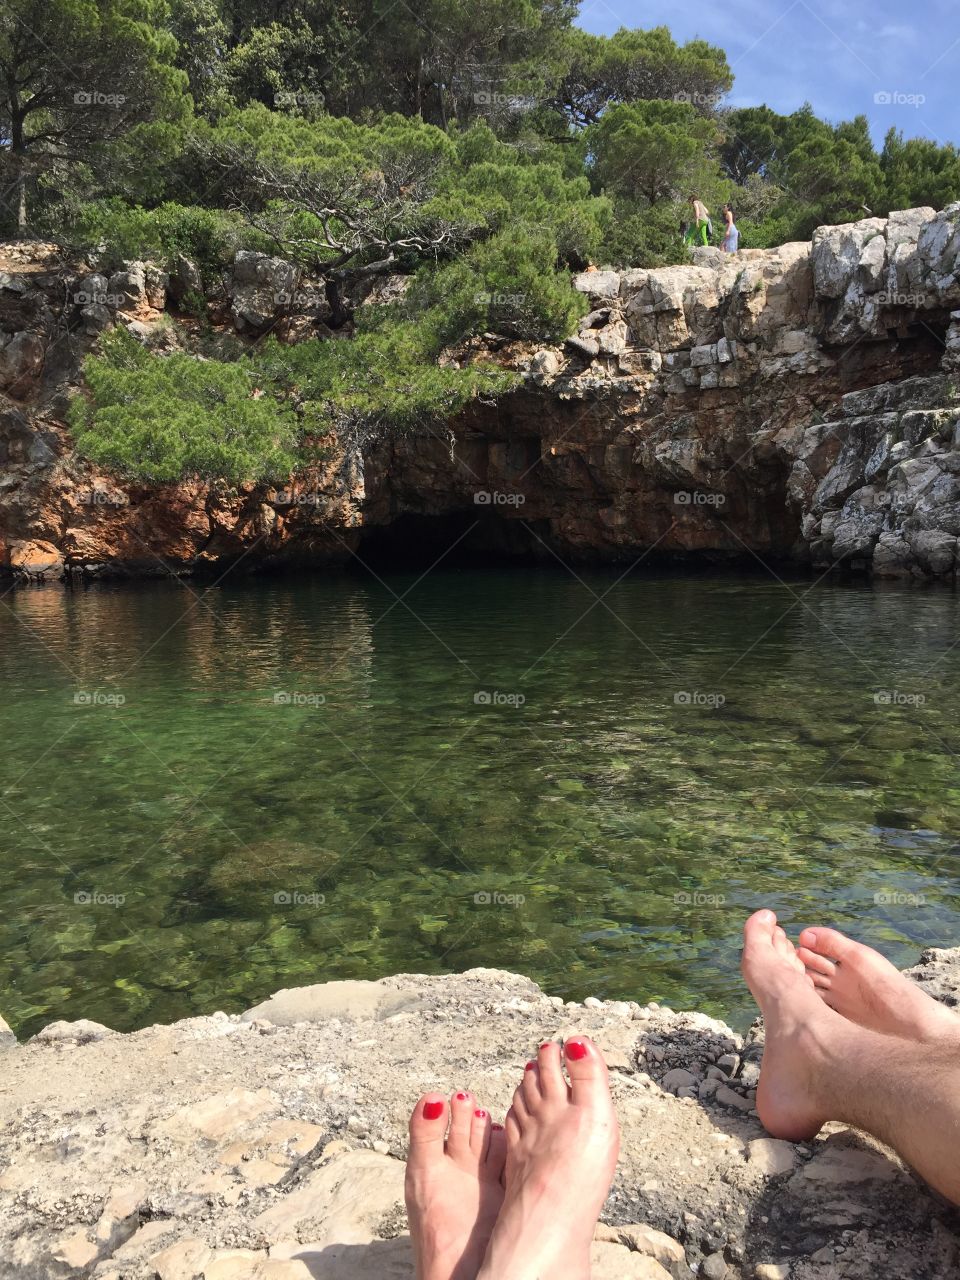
(328, 1000)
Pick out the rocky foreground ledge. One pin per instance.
(270, 1145)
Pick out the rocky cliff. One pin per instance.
(270, 1145)
(796, 404)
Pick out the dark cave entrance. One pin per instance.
(468, 538)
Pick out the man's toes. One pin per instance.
(834, 945)
(586, 1069)
(550, 1064)
(462, 1106)
(530, 1085)
(758, 946)
(428, 1127)
(819, 980)
(815, 963)
(480, 1132)
(496, 1151)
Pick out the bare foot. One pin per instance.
(453, 1185)
(802, 1033)
(562, 1145)
(865, 987)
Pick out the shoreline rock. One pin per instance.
(246, 1148)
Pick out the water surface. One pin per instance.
(209, 793)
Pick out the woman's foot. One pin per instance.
(453, 1185)
(865, 987)
(562, 1145)
(801, 1032)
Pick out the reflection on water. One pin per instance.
(205, 795)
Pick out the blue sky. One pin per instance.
(836, 54)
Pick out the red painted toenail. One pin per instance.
(531, 1066)
(432, 1110)
(462, 1097)
(546, 1045)
(481, 1114)
(496, 1126)
(576, 1049)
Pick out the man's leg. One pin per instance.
(818, 1066)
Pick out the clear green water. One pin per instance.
(400, 798)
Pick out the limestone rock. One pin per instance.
(83, 1031)
(614, 1262)
(34, 559)
(261, 287)
(771, 1156)
(325, 1000)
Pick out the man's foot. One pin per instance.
(801, 1032)
(562, 1145)
(453, 1185)
(865, 987)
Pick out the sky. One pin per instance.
(896, 63)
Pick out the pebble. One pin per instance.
(714, 1267)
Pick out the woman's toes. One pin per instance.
(512, 1127)
(496, 1153)
(428, 1128)
(480, 1132)
(530, 1086)
(549, 1062)
(462, 1106)
(586, 1069)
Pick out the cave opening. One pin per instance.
(467, 538)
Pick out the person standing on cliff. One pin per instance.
(699, 230)
(731, 236)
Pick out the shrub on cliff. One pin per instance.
(112, 232)
(167, 418)
(164, 419)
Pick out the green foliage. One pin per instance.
(112, 231)
(634, 65)
(507, 285)
(85, 82)
(387, 375)
(166, 418)
(918, 172)
(651, 151)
